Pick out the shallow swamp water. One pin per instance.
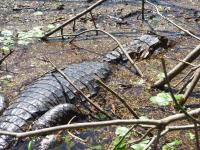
(120, 18)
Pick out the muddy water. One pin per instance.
(27, 63)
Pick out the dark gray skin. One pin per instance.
(56, 116)
(52, 89)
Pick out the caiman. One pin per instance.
(46, 95)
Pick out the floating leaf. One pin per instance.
(121, 146)
(191, 136)
(5, 50)
(8, 41)
(7, 33)
(25, 37)
(160, 76)
(30, 145)
(121, 131)
(161, 99)
(140, 146)
(51, 26)
(172, 145)
(164, 99)
(38, 13)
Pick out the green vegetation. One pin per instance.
(164, 99)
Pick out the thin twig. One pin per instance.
(181, 28)
(185, 84)
(73, 18)
(145, 135)
(143, 9)
(154, 138)
(119, 97)
(74, 136)
(196, 136)
(147, 122)
(123, 137)
(79, 91)
(94, 23)
(176, 59)
(173, 97)
(6, 56)
(181, 80)
(157, 139)
(191, 86)
(121, 47)
(180, 67)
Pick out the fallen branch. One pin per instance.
(179, 106)
(181, 28)
(79, 91)
(147, 122)
(119, 44)
(180, 67)
(72, 19)
(191, 86)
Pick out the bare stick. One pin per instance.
(196, 136)
(62, 34)
(185, 84)
(181, 28)
(79, 91)
(142, 9)
(145, 135)
(178, 68)
(123, 137)
(93, 20)
(74, 26)
(2, 60)
(181, 80)
(155, 138)
(74, 18)
(147, 122)
(173, 97)
(74, 136)
(180, 61)
(192, 85)
(119, 97)
(123, 50)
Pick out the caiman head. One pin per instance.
(140, 48)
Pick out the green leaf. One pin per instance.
(160, 76)
(179, 97)
(68, 141)
(8, 41)
(6, 33)
(121, 131)
(161, 99)
(191, 136)
(5, 50)
(30, 144)
(140, 146)
(164, 99)
(97, 147)
(36, 32)
(51, 26)
(172, 145)
(122, 145)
